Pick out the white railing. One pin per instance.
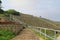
(39, 29)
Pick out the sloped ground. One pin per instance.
(38, 21)
(27, 34)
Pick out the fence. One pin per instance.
(39, 29)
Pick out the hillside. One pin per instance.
(38, 21)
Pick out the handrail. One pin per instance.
(49, 29)
(44, 34)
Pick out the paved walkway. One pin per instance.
(27, 34)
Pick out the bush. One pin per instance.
(13, 12)
(1, 11)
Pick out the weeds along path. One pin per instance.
(27, 34)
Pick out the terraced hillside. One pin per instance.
(38, 21)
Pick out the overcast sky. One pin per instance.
(46, 8)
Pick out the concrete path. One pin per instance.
(58, 38)
(27, 34)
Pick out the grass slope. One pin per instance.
(38, 21)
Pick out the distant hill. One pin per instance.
(38, 21)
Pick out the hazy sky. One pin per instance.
(46, 8)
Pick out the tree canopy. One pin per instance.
(0, 1)
(1, 11)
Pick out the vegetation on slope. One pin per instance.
(37, 21)
(6, 35)
(13, 12)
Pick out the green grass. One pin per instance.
(1, 15)
(6, 35)
(49, 32)
(41, 35)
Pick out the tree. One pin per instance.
(1, 11)
(13, 12)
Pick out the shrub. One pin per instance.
(13, 12)
(6, 35)
(1, 11)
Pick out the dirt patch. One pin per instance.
(27, 34)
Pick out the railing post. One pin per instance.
(40, 31)
(55, 35)
(45, 33)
